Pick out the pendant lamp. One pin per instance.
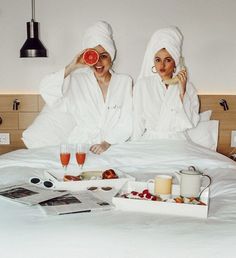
(33, 47)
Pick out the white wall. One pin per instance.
(208, 27)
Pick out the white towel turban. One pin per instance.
(100, 33)
(169, 38)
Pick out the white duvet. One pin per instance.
(130, 157)
(26, 232)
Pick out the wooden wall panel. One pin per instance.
(41, 103)
(14, 121)
(212, 102)
(9, 121)
(26, 119)
(15, 141)
(27, 103)
(227, 119)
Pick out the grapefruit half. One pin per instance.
(90, 57)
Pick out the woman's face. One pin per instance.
(164, 64)
(101, 68)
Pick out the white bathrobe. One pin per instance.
(96, 120)
(159, 112)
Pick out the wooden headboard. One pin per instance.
(227, 119)
(15, 122)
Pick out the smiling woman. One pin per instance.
(162, 109)
(87, 92)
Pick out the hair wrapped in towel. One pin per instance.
(169, 38)
(100, 34)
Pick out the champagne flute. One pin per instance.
(81, 151)
(64, 155)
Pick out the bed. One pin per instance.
(27, 232)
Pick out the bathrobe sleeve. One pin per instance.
(178, 116)
(53, 88)
(161, 111)
(191, 104)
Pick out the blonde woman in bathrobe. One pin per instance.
(164, 109)
(99, 99)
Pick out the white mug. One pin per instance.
(162, 186)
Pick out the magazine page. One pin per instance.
(82, 201)
(28, 194)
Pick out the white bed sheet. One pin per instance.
(130, 157)
(27, 232)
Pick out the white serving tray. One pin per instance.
(175, 209)
(85, 184)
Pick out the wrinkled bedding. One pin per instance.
(27, 232)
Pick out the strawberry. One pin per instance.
(141, 195)
(134, 193)
(145, 191)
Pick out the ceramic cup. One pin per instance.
(161, 186)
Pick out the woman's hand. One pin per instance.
(182, 78)
(77, 62)
(99, 148)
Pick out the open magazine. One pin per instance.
(54, 202)
(82, 201)
(28, 194)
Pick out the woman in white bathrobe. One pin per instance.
(99, 99)
(163, 109)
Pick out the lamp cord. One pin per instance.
(33, 9)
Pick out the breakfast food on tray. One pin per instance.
(106, 188)
(95, 188)
(92, 175)
(146, 195)
(185, 200)
(109, 174)
(71, 178)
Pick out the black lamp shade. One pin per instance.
(33, 47)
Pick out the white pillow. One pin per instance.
(205, 116)
(50, 127)
(205, 134)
